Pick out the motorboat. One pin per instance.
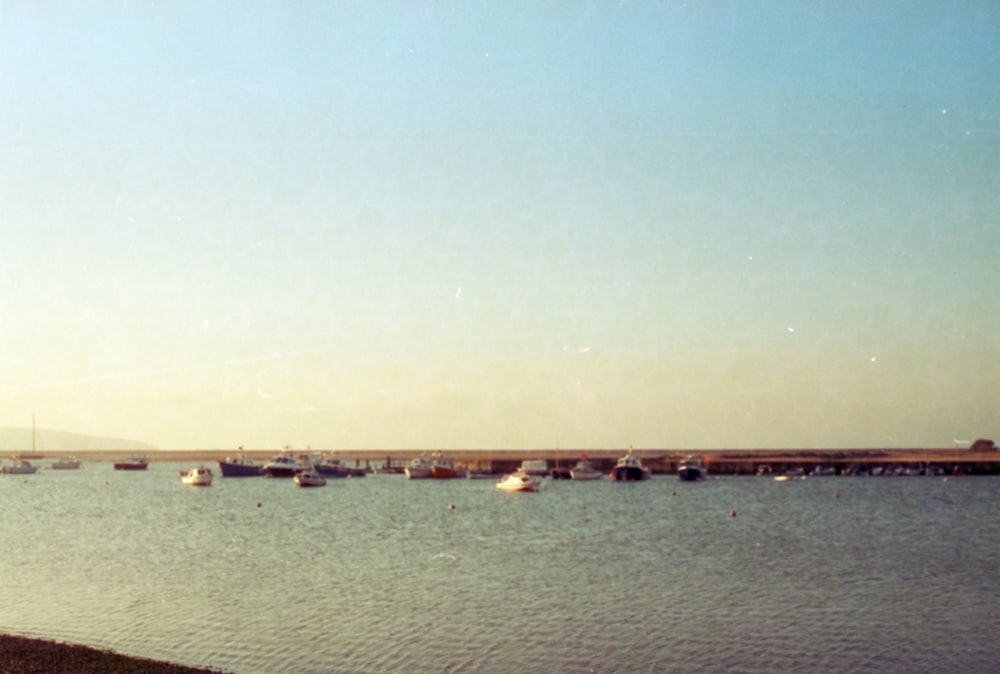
(282, 465)
(134, 462)
(584, 470)
(19, 467)
(519, 480)
(823, 471)
(309, 477)
(68, 463)
(535, 467)
(240, 465)
(419, 468)
(331, 466)
(691, 470)
(197, 477)
(442, 468)
(629, 469)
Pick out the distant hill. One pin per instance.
(18, 441)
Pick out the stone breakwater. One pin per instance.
(662, 461)
(21, 655)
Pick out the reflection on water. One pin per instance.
(380, 575)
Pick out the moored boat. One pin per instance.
(419, 468)
(68, 463)
(134, 462)
(197, 477)
(519, 480)
(629, 469)
(690, 470)
(584, 470)
(309, 477)
(442, 468)
(240, 465)
(19, 467)
(282, 465)
(537, 467)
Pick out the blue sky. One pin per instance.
(671, 225)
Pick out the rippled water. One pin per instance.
(380, 575)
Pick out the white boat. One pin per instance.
(535, 467)
(691, 470)
(629, 469)
(309, 477)
(19, 467)
(65, 464)
(419, 468)
(282, 465)
(197, 477)
(584, 470)
(823, 471)
(519, 480)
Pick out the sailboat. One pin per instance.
(21, 465)
(558, 473)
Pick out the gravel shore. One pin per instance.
(21, 655)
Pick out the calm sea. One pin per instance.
(379, 574)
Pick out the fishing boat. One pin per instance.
(535, 467)
(197, 477)
(68, 463)
(690, 470)
(584, 470)
(282, 465)
(19, 467)
(519, 480)
(309, 477)
(629, 469)
(331, 466)
(442, 468)
(240, 465)
(419, 468)
(134, 462)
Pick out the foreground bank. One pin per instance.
(21, 655)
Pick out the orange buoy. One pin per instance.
(732, 513)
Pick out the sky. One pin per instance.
(675, 225)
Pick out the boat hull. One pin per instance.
(688, 474)
(228, 469)
(629, 474)
(130, 466)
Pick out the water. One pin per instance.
(380, 575)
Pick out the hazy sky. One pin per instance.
(449, 225)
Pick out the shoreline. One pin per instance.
(31, 655)
(721, 461)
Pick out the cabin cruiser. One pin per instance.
(240, 465)
(629, 469)
(282, 465)
(134, 462)
(584, 470)
(419, 468)
(19, 467)
(519, 480)
(442, 468)
(691, 470)
(197, 477)
(309, 477)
